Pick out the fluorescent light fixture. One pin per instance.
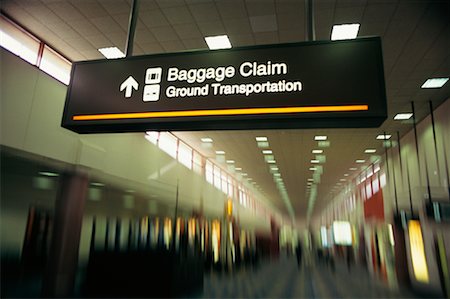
(277, 174)
(48, 173)
(220, 153)
(370, 151)
(309, 183)
(112, 52)
(360, 161)
(267, 152)
(345, 31)
(206, 140)
(230, 161)
(97, 184)
(342, 180)
(435, 83)
(314, 161)
(345, 174)
(218, 42)
(403, 116)
(353, 168)
(271, 161)
(238, 168)
(261, 139)
(317, 151)
(312, 168)
(320, 137)
(310, 180)
(244, 174)
(383, 137)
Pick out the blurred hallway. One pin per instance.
(282, 279)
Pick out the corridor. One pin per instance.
(282, 279)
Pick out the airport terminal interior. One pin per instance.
(225, 148)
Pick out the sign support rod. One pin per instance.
(132, 28)
(310, 29)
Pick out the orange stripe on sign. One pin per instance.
(218, 112)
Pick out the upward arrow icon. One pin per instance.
(129, 84)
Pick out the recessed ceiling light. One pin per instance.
(360, 161)
(220, 153)
(370, 151)
(261, 138)
(48, 173)
(277, 174)
(238, 169)
(271, 161)
(111, 52)
(317, 151)
(97, 184)
(344, 31)
(309, 183)
(320, 137)
(353, 168)
(244, 174)
(218, 42)
(383, 137)
(312, 168)
(403, 116)
(267, 152)
(342, 180)
(273, 168)
(206, 140)
(230, 161)
(345, 174)
(435, 83)
(310, 180)
(314, 161)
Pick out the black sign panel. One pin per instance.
(299, 85)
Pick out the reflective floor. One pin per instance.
(283, 279)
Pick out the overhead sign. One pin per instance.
(299, 85)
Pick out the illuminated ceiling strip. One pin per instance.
(243, 111)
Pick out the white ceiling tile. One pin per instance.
(40, 12)
(63, 30)
(90, 9)
(164, 33)
(153, 18)
(187, 31)
(348, 15)
(266, 23)
(178, 15)
(65, 11)
(84, 27)
(80, 44)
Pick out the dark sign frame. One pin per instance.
(84, 100)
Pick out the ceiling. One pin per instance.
(415, 37)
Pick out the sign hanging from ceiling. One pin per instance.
(324, 84)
